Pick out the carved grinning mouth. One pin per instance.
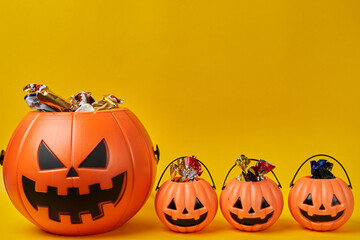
(251, 221)
(321, 218)
(186, 222)
(73, 203)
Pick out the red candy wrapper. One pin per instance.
(254, 173)
(264, 167)
(115, 99)
(32, 88)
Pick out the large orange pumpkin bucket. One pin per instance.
(186, 206)
(78, 173)
(251, 206)
(321, 204)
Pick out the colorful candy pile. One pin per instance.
(39, 97)
(254, 173)
(186, 168)
(321, 169)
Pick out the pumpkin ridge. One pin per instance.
(300, 183)
(346, 194)
(17, 167)
(269, 186)
(215, 203)
(72, 161)
(126, 139)
(336, 208)
(144, 140)
(313, 185)
(231, 187)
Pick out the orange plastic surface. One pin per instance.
(71, 137)
(251, 195)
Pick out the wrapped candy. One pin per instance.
(42, 99)
(45, 96)
(264, 167)
(242, 162)
(321, 169)
(107, 103)
(254, 173)
(82, 98)
(32, 88)
(83, 101)
(54, 101)
(188, 168)
(32, 101)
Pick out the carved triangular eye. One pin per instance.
(47, 159)
(308, 200)
(264, 203)
(335, 201)
(172, 205)
(238, 204)
(198, 204)
(97, 158)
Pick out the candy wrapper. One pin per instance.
(242, 162)
(32, 88)
(54, 101)
(188, 168)
(82, 98)
(42, 99)
(32, 101)
(46, 97)
(107, 103)
(321, 169)
(254, 173)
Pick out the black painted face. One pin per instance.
(73, 203)
(185, 222)
(324, 217)
(251, 221)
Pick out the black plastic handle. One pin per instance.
(212, 180)
(321, 155)
(157, 154)
(251, 159)
(2, 156)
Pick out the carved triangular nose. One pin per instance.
(251, 210)
(185, 211)
(322, 207)
(72, 173)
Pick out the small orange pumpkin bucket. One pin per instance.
(186, 206)
(321, 204)
(251, 205)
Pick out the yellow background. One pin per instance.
(277, 80)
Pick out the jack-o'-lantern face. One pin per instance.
(186, 206)
(321, 217)
(252, 218)
(321, 204)
(185, 221)
(251, 206)
(74, 203)
(79, 173)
